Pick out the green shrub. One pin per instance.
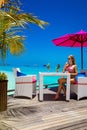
(57, 67)
(3, 76)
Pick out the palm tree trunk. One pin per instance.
(3, 51)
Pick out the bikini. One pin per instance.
(70, 70)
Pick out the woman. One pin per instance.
(71, 68)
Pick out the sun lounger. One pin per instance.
(80, 88)
(25, 85)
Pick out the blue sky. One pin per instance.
(64, 17)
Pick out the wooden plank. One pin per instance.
(54, 120)
(26, 114)
(79, 125)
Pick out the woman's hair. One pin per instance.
(73, 59)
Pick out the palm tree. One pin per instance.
(8, 38)
(12, 21)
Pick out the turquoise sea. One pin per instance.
(29, 70)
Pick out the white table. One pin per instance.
(41, 76)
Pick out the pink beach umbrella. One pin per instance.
(78, 39)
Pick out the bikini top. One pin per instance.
(70, 69)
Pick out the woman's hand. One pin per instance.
(65, 66)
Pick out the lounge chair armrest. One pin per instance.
(25, 79)
(30, 75)
(82, 79)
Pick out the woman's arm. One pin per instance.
(76, 71)
(65, 67)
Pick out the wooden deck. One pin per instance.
(26, 114)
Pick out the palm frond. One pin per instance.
(28, 18)
(12, 21)
(3, 14)
(15, 45)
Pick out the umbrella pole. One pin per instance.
(81, 55)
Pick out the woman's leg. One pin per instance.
(61, 82)
(64, 90)
(71, 81)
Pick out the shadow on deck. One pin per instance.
(26, 114)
